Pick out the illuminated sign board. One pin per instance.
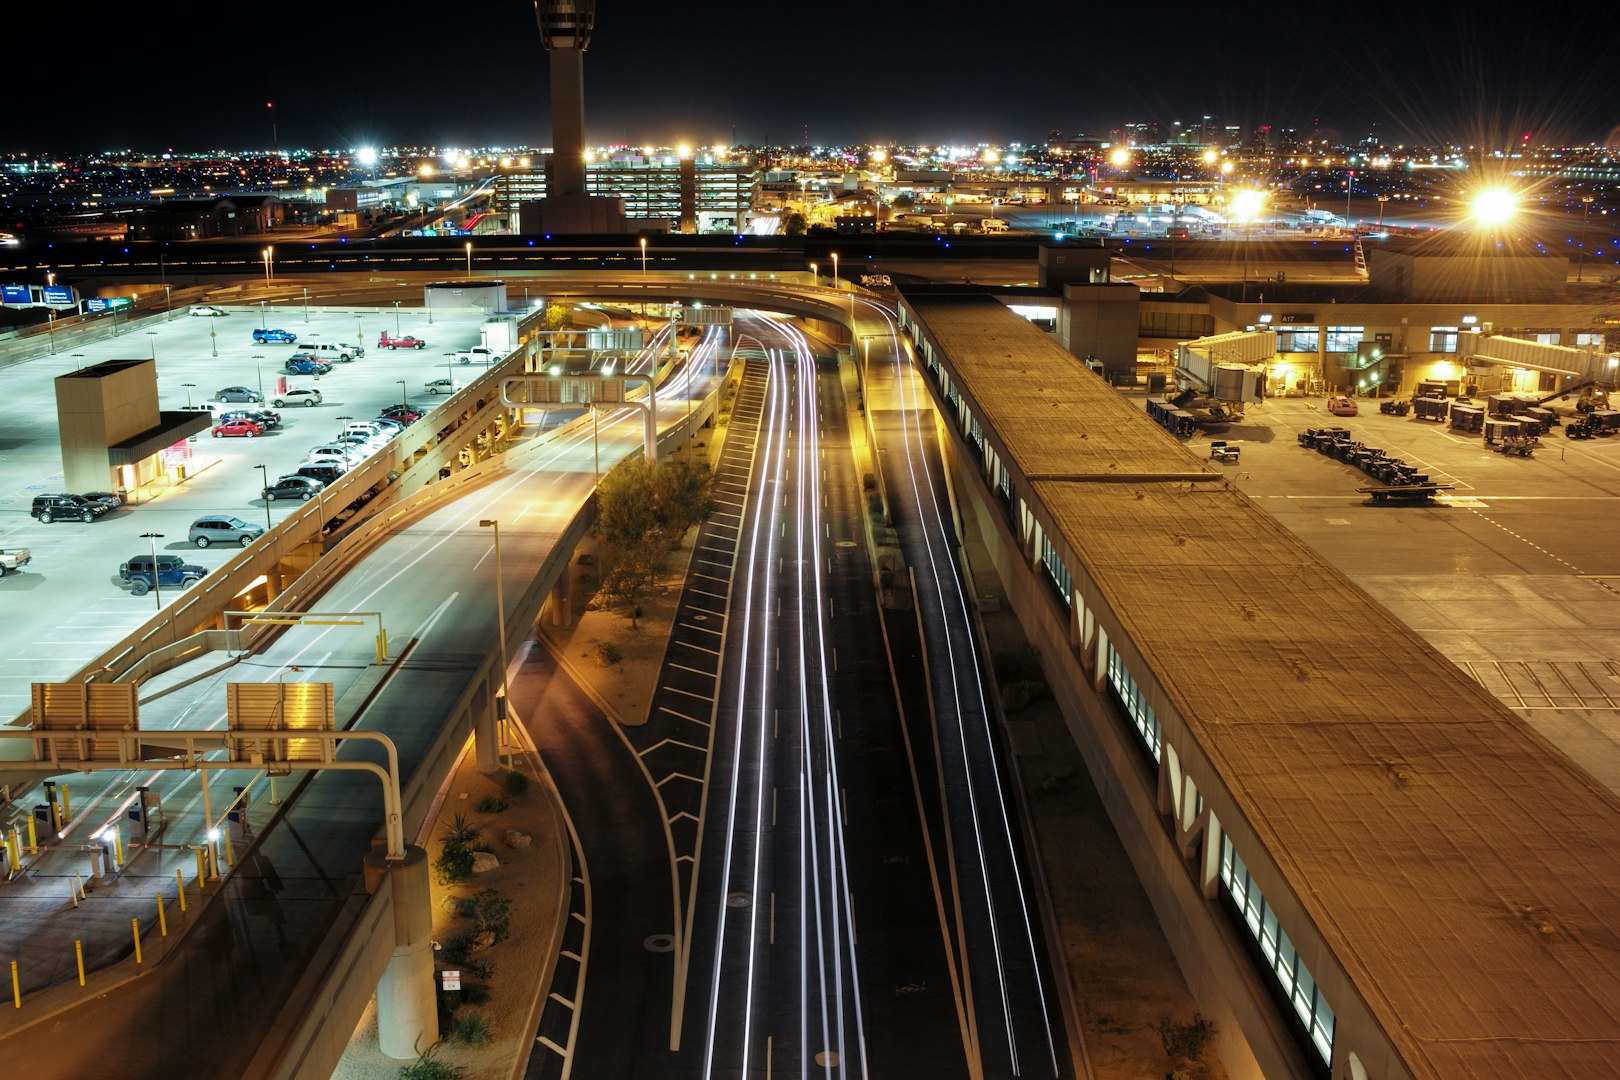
(15, 294)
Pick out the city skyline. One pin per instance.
(1448, 74)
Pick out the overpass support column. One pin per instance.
(486, 732)
(407, 1017)
(562, 603)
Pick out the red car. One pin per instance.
(406, 342)
(247, 429)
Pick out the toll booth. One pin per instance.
(237, 816)
(145, 816)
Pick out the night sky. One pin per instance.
(410, 71)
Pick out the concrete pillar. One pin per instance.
(1210, 869)
(407, 1017)
(562, 604)
(486, 732)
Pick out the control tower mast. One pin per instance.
(565, 30)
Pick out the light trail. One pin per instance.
(961, 665)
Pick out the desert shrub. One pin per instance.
(459, 949)
(608, 654)
(475, 993)
(515, 784)
(491, 804)
(461, 831)
(1022, 694)
(429, 1067)
(473, 1030)
(455, 863)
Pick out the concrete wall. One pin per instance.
(1103, 321)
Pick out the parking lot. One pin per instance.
(70, 600)
(1514, 574)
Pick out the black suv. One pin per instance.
(62, 507)
(172, 571)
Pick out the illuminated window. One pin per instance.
(1135, 702)
(1344, 339)
(1443, 339)
(1299, 339)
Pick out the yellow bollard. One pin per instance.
(67, 812)
(13, 851)
(78, 951)
(382, 645)
(201, 880)
(135, 928)
(163, 920)
(230, 852)
(33, 838)
(16, 985)
(180, 881)
(118, 849)
(73, 894)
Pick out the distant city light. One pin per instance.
(366, 156)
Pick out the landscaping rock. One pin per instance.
(484, 861)
(518, 840)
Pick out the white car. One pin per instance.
(440, 386)
(300, 395)
(343, 454)
(207, 309)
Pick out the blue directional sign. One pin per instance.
(95, 303)
(57, 296)
(15, 294)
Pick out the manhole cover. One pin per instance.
(700, 618)
(739, 899)
(659, 943)
(827, 1059)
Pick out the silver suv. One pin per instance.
(223, 529)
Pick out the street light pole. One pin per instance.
(469, 258)
(1586, 216)
(396, 318)
(188, 386)
(157, 578)
(403, 398)
(264, 474)
(152, 344)
(500, 599)
(213, 333)
(259, 371)
(835, 269)
(306, 305)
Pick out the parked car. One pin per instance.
(298, 395)
(329, 455)
(207, 309)
(64, 507)
(261, 336)
(305, 365)
(1339, 405)
(112, 499)
(13, 560)
(327, 473)
(237, 429)
(392, 426)
(293, 487)
(170, 570)
(440, 386)
(265, 418)
(407, 342)
(239, 393)
(332, 350)
(402, 413)
(223, 529)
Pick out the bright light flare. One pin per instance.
(1493, 206)
(1246, 204)
(366, 155)
(1119, 158)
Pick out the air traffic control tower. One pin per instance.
(565, 30)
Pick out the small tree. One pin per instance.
(492, 912)
(903, 201)
(796, 225)
(1184, 1044)
(559, 317)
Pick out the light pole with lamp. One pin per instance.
(213, 333)
(469, 258)
(157, 578)
(306, 305)
(359, 335)
(168, 302)
(264, 474)
(152, 344)
(403, 398)
(188, 386)
(815, 274)
(263, 314)
(259, 371)
(1246, 204)
(500, 598)
(50, 328)
(1349, 186)
(342, 426)
(396, 318)
(835, 269)
(1586, 216)
(1382, 199)
(643, 279)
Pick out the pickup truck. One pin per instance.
(406, 342)
(478, 353)
(13, 560)
(261, 336)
